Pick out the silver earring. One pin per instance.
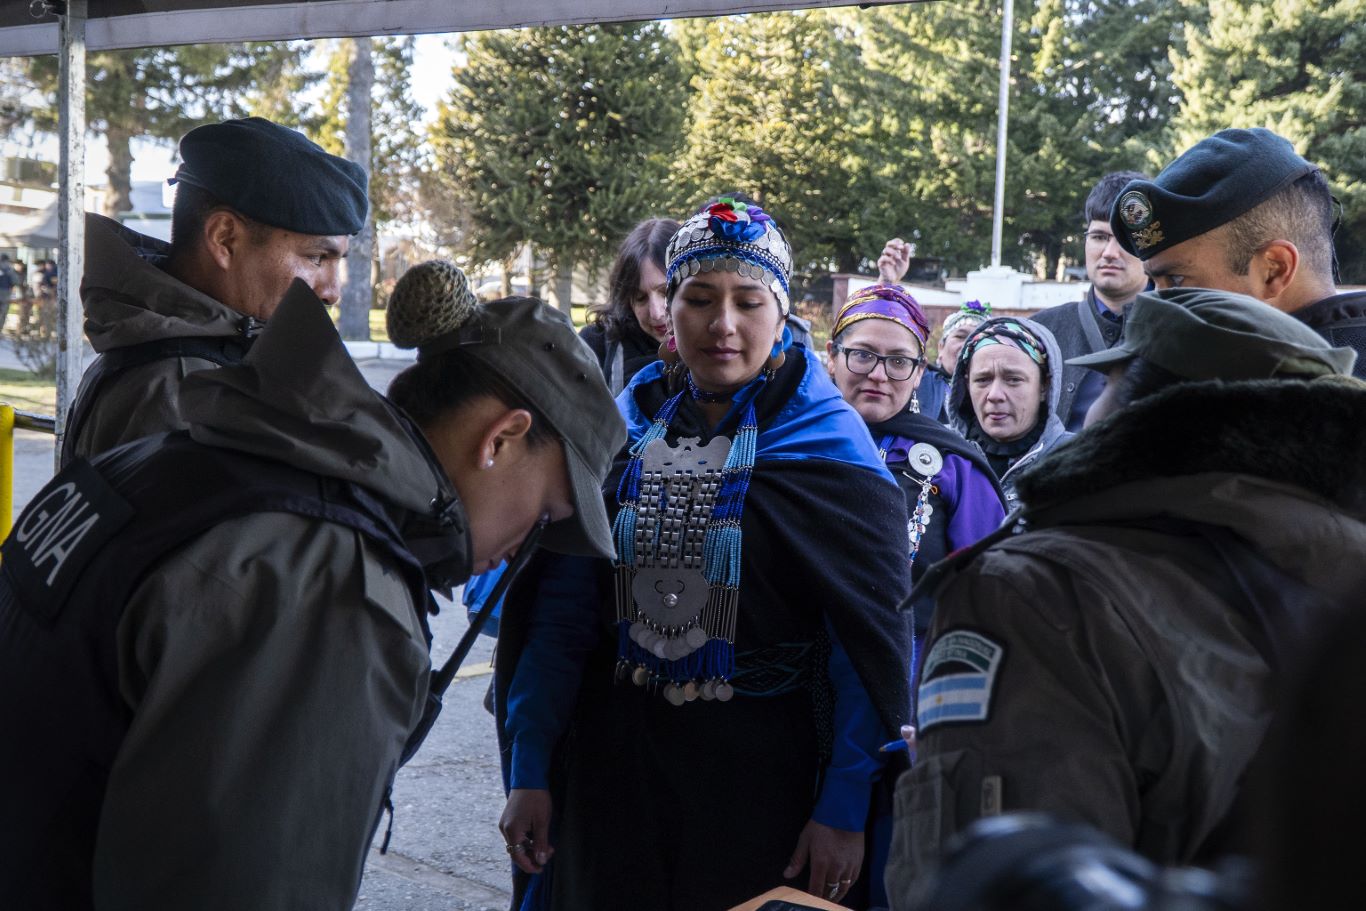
(489, 463)
(915, 402)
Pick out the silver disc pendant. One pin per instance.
(724, 691)
(674, 694)
(640, 676)
(690, 690)
(659, 647)
(925, 459)
(709, 690)
(696, 637)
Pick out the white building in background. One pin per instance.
(28, 207)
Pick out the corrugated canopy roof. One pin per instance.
(147, 23)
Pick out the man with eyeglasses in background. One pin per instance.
(1095, 322)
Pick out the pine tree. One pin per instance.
(162, 92)
(562, 138)
(777, 102)
(1297, 67)
(1089, 95)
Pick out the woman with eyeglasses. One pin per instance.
(698, 720)
(877, 358)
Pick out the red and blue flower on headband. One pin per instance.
(737, 222)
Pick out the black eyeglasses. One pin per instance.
(896, 366)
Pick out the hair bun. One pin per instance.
(429, 300)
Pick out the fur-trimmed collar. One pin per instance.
(1309, 434)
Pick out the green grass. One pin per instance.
(27, 392)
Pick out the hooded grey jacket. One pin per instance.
(963, 419)
(1131, 685)
(272, 669)
(130, 300)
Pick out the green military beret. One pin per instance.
(276, 176)
(1211, 184)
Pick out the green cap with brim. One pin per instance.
(1201, 334)
(534, 349)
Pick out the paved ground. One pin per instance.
(446, 853)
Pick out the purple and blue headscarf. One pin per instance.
(889, 302)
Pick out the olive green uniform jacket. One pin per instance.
(129, 299)
(276, 665)
(1098, 669)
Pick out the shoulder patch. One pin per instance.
(59, 532)
(957, 679)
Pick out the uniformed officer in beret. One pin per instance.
(257, 205)
(1242, 211)
(1116, 664)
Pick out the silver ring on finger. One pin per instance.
(834, 891)
(518, 848)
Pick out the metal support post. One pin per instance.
(71, 214)
(1002, 119)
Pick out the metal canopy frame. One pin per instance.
(117, 24)
(70, 28)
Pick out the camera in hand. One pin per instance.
(1031, 862)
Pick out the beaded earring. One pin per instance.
(776, 358)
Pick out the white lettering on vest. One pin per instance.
(61, 548)
(38, 516)
(56, 534)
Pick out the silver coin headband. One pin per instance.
(734, 237)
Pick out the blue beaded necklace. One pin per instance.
(706, 669)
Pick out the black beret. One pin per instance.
(276, 176)
(1214, 182)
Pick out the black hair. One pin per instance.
(1302, 213)
(648, 241)
(1142, 378)
(192, 208)
(438, 385)
(1102, 197)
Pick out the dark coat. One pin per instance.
(131, 301)
(1342, 320)
(620, 359)
(1132, 683)
(1079, 330)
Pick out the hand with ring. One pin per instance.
(526, 828)
(833, 858)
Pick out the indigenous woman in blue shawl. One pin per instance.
(698, 721)
(877, 358)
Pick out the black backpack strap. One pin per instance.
(225, 351)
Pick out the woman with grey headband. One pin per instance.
(698, 720)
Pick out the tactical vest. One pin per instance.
(224, 351)
(75, 556)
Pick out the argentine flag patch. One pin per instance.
(957, 679)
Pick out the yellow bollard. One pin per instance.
(6, 469)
